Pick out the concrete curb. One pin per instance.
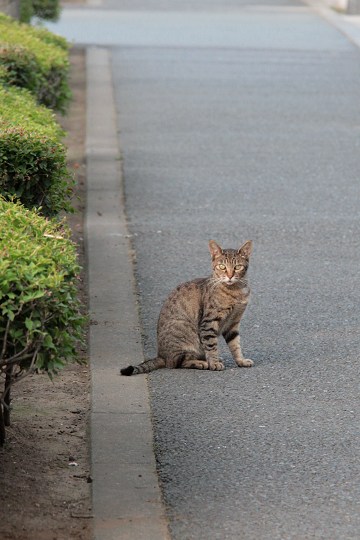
(126, 495)
(348, 25)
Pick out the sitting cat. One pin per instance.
(197, 312)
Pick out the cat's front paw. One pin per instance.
(245, 362)
(216, 366)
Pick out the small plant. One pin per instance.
(46, 9)
(26, 11)
(40, 314)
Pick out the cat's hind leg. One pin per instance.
(192, 363)
(196, 363)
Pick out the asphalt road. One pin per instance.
(241, 121)
(259, 139)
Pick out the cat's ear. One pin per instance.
(246, 249)
(215, 250)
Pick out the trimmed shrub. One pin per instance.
(36, 60)
(18, 108)
(33, 164)
(40, 314)
(49, 37)
(18, 67)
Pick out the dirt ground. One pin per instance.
(45, 483)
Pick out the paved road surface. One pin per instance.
(259, 139)
(241, 121)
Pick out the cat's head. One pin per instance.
(230, 265)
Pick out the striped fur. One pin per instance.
(196, 313)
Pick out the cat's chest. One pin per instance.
(225, 307)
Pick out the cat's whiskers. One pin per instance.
(214, 282)
(217, 281)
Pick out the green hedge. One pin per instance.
(18, 108)
(40, 314)
(37, 60)
(33, 165)
(49, 37)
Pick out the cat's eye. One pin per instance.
(239, 267)
(222, 266)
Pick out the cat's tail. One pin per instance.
(144, 367)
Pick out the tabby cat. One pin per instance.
(197, 312)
